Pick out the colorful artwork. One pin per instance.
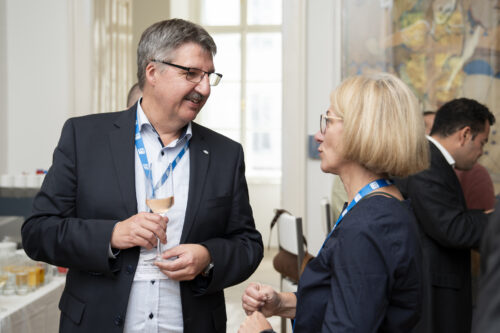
(442, 49)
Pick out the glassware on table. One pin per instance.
(20, 275)
(10, 284)
(21, 269)
(4, 275)
(50, 271)
(160, 198)
(4, 261)
(41, 273)
(22, 287)
(3, 281)
(33, 277)
(9, 278)
(36, 274)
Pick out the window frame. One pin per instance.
(243, 29)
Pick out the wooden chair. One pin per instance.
(290, 238)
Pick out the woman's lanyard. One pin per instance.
(141, 150)
(369, 188)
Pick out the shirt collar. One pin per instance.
(446, 154)
(144, 123)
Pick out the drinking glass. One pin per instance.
(160, 197)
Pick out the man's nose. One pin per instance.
(203, 87)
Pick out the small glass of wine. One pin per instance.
(160, 198)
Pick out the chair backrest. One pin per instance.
(290, 236)
(326, 214)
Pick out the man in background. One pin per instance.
(91, 215)
(133, 95)
(448, 229)
(479, 193)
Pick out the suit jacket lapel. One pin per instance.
(122, 144)
(199, 158)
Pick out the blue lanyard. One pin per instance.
(367, 189)
(141, 150)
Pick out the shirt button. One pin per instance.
(118, 320)
(151, 315)
(130, 269)
(152, 281)
(162, 153)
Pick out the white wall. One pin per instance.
(40, 82)
(323, 74)
(81, 72)
(3, 87)
(264, 198)
(312, 70)
(293, 182)
(145, 13)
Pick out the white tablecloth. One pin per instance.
(36, 311)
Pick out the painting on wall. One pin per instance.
(443, 49)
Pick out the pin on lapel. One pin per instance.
(205, 151)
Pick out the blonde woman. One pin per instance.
(367, 275)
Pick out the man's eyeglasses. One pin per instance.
(323, 122)
(195, 75)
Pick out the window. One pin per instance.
(246, 106)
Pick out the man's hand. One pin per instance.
(192, 260)
(140, 230)
(255, 323)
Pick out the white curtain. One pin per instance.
(113, 54)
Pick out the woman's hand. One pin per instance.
(260, 298)
(254, 323)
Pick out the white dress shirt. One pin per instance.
(446, 154)
(155, 303)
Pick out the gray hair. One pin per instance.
(161, 39)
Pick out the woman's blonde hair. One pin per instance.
(383, 126)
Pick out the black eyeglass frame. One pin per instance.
(213, 78)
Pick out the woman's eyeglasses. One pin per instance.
(323, 122)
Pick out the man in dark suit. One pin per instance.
(90, 214)
(448, 229)
(487, 312)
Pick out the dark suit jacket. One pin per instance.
(448, 231)
(91, 186)
(367, 276)
(487, 313)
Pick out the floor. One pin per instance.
(264, 274)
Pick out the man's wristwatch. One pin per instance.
(206, 271)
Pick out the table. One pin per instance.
(36, 311)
